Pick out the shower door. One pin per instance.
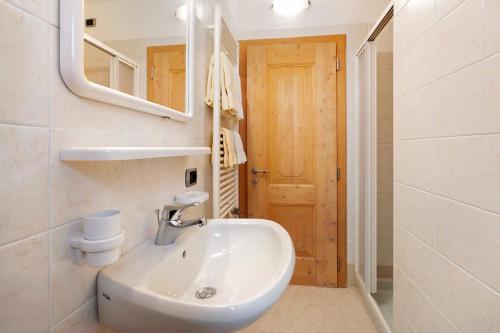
(366, 180)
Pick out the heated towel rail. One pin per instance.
(225, 180)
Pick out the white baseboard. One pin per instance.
(373, 310)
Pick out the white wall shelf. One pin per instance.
(127, 153)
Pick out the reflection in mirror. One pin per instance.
(138, 48)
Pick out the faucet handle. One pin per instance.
(167, 212)
(173, 213)
(180, 209)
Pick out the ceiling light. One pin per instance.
(181, 13)
(290, 7)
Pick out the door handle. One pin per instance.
(256, 171)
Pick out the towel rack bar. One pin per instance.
(225, 180)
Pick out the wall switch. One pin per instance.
(191, 177)
(90, 22)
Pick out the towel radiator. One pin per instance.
(225, 196)
(228, 189)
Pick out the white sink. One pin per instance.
(152, 288)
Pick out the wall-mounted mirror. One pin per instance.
(132, 53)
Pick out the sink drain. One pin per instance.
(204, 293)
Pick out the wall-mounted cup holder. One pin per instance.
(102, 238)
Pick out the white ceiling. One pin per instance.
(255, 15)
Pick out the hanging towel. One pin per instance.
(230, 159)
(230, 86)
(209, 98)
(241, 157)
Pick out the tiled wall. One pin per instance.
(42, 199)
(447, 166)
(384, 164)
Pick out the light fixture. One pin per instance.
(290, 7)
(181, 12)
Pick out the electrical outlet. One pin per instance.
(191, 177)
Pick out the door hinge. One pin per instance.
(338, 174)
(152, 72)
(337, 64)
(338, 264)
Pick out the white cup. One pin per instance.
(102, 225)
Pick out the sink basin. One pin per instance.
(217, 278)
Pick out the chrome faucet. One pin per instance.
(170, 225)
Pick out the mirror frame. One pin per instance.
(72, 66)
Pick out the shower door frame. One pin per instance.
(368, 149)
(368, 283)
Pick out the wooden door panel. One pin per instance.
(291, 194)
(167, 76)
(290, 106)
(305, 271)
(296, 53)
(326, 157)
(291, 110)
(298, 221)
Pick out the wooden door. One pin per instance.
(167, 76)
(292, 133)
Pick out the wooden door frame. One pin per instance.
(340, 40)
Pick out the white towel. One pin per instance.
(209, 98)
(230, 157)
(230, 87)
(241, 157)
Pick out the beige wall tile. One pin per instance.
(38, 8)
(420, 16)
(384, 180)
(399, 5)
(24, 166)
(400, 150)
(416, 259)
(469, 170)
(80, 188)
(401, 323)
(54, 12)
(420, 107)
(420, 66)
(446, 170)
(420, 311)
(471, 305)
(385, 106)
(491, 27)
(24, 93)
(463, 103)
(24, 291)
(444, 7)
(419, 162)
(459, 38)
(385, 131)
(458, 229)
(399, 126)
(400, 74)
(385, 153)
(72, 283)
(401, 33)
(415, 211)
(69, 111)
(139, 219)
(489, 69)
(83, 320)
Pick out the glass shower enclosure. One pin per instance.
(374, 165)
